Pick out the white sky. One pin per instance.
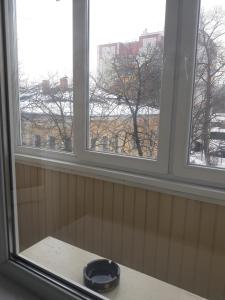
(44, 38)
(45, 30)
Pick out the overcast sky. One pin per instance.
(45, 30)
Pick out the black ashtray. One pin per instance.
(101, 275)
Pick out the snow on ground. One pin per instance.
(197, 158)
(219, 117)
(109, 109)
(217, 129)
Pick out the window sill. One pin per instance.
(171, 186)
(47, 254)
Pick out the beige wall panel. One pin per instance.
(191, 238)
(205, 248)
(151, 232)
(107, 219)
(49, 202)
(128, 226)
(139, 229)
(176, 247)
(72, 186)
(34, 199)
(80, 194)
(41, 203)
(64, 206)
(89, 214)
(98, 215)
(163, 238)
(175, 239)
(217, 272)
(27, 207)
(55, 203)
(118, 211)
(21, 213)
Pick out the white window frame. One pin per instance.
(8, 267)
(43, 284)
(175, 111)
(81, 59)
(185, 84)
(173, 150)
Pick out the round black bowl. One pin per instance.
(101, 275)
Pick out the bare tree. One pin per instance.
(49, 107)
(131, 84)
(124, 105)
(209, 76)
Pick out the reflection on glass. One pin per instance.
(126, 63)
(207, 141)
(44, 30)
(67, 220)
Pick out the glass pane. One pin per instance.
(207, 141)
(126, 64)
(66, 220)
(45, 73)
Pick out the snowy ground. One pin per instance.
(197, 158)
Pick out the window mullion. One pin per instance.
(80, 70)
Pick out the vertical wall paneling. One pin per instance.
(80, 194)
(107, 219)
(72, 186)
(41, 203)
(139, 229)
(176, 246)
(89, 213)
(175, 239)
(163, 238)
(34, 199)
(128, 224)
(20, 182)
(49, 201)
(151, 232)
(191, 238)
(98, 215)
(117, 233)
(217, 271)
(55, 205)
(64, 213)
(27, 206)
(205, 246)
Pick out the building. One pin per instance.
(111, 128)
(107, 52)
(46, 115)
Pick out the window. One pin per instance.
(134, 97)
(126, 98)
(124, 101)
(126, 69)
(200, 111)
(207, 124)
(45, 80)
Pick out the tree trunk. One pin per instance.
(67, 144)
(136, 135)
(206, 121)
